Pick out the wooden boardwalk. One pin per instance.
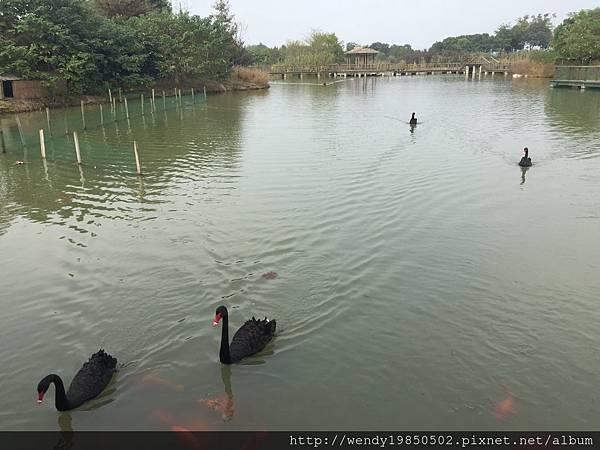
(397, 69)
(577, 76)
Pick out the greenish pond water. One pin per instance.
(424, 281)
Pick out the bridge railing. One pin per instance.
(376, 67)
(577, 73)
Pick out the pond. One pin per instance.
(420, 279)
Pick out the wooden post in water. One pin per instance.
(42, 144)
(153, 101)
(138, 168)
(2, 141)
(164, 101)
(193, 101)
(101, 115)
(48, 120)
(77, 150)
(179, 96)
(120, 95)
(142, 100)
(126, 109)
(83, 114)
(204, 92)
(20, 131)
(114, 108)
(109, 96)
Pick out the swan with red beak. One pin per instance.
(249, 339)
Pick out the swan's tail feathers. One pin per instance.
(104, 359)
(270, 326)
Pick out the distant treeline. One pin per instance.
(576, 39)
(94, 44)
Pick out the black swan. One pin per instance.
(251, 338)
(525, 160)
(88, 383)
(413, 120)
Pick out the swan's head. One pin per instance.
(42, 388)
(219, 314)
(526, 150)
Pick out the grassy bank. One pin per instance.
(536, 63)
(241, 79)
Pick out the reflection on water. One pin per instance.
(399, 257)
(65, 421)
(229, 408)
(523, 172)
(575, 113)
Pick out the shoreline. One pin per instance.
(16, 106)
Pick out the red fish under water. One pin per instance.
(504, 407)
(269, 275)
(223, 404)
(188, 425)
(187, 437)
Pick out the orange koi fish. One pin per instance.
(504, 407)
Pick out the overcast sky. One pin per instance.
(416, 22)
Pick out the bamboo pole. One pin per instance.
(164, 101)
(205, 92)
(137, 159)
(126, 109)
(101, 115)
(42, 144)
(114, 107)
(83, 114)
(142, 101)
(77, 149)
(153, 101)
(48, 121)
(110, 99)
(120, 95)
(193, 101)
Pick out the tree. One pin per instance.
(539, 31)
(56, 40)
(183, 46)
(401, 53)
(325, 47)
(130, 8)
(262, 55)
(578, 37)
(350, 46)
(382, 48)
(504, 37)
(69, 40)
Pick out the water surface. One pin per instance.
(421, 273)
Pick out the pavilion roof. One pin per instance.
(362, 51)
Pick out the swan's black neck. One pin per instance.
(60, 397)
(224, 354)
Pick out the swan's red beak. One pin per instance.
(216, 320)
(40, 397)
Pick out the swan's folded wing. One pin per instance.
(251, 338)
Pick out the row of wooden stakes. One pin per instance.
(78, 150)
